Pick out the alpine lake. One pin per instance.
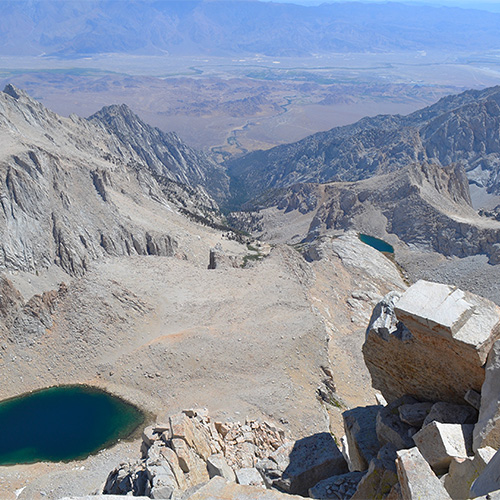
(63, 423)
(376, 243)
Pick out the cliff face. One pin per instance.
(71, 189)
(424, 205)
(458, 129)
(165, 154)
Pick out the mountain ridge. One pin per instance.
(79, 28)
(463, 128)
(164, 152)
(72, 191)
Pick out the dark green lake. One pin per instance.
(63, 423)
(379, 245)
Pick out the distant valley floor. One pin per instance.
(236, 105)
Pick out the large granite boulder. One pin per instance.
(439, 443)
(414, 414)
(464, 471)
(417, 479)
(448, 413)
(343, 486)
(381, 476)
(489, 479)
(487, 429)
(391, 429)
(432, 342)
(220, 489)
(361, 436)
(296, 467)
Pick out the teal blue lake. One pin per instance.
(379, 245)
(63, 423)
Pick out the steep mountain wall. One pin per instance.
(69, 186)
(461, 129)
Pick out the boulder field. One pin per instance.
(433, 352)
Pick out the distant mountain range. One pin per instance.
(75, 28)
(462, 128)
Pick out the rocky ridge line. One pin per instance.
(68, 185)
(424, 205)
(457, 129)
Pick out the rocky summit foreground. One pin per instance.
(416, 446)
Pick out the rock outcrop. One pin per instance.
(24, 322)
(191, 449)
(408, 339)
(218, 259)
(394, 451)
(435, 323)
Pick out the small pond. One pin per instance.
(379, 245)
(63, 423)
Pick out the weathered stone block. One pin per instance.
(381, 476)
(126, 478)
(417, 479)
(487, 430)
(296, 467)
(190, 462)
(473, 398)
(343, 486)
(218, 466)
(220, 489)
(489, 479)
(448, 413)
(414, 414)
(390, 428)
(464, 471)
(438, 443)
(188, 429)
(249, 476)
(148, 436)
(445, 324)
(173, 461)
(361, 436)
(162, 481)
